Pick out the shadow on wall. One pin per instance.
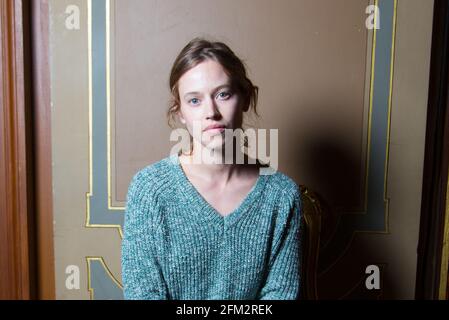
(335, 175)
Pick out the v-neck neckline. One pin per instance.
(207, 210)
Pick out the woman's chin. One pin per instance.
(214, 142)
(214, 147)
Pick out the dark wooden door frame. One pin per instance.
(26, 224)
(40, 45)
(436, 161)
(17, 254)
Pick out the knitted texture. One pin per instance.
(177, 246)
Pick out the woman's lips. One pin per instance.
(215, 128)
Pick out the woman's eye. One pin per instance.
(194, 101)
(224, 95)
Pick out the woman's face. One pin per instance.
(207, 99)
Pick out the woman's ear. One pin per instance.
(181, 118)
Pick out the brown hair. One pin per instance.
(199, 50)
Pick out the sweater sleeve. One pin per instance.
(284, 275)
(141, 274)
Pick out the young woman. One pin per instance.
(211, 229)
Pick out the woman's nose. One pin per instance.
(211, 110)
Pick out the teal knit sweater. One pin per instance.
(177, 246)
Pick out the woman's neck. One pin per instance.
(212, 164)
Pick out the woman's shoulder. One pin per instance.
(284, 194)
(156, 177)
(150, 189)
(282, 183)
